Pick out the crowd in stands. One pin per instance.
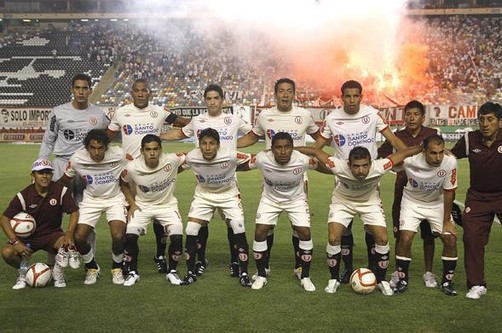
(463, 52)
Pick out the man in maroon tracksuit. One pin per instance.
(412, 135)
(483, 148)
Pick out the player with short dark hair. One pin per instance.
(214, 167)
(355, 124)
(428, 196)
(284, 117)
(356, 192)
(46, 201)
(483, 148)
(134, 121)
(68, 125)
(229, 126)
(283, 171)
(413, 134)
(153, 175)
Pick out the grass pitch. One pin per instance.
(217, 303)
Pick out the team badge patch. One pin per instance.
(154, 114)
(53, 202)
(93, 121)
(298, 120)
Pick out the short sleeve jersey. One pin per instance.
(350, 188)
(101, 178)
(47, 211)
(216, 178)
(227, 125)
(68, 127)
(297, 122)
(426, 183)
(351, 130)
(283, 183)
(135, 123)
(154, 186)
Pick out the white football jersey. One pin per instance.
(68, 127)
(349, 188)
(101, 178)
(216, 178)
(135, 123)
(298, 122)
(227, 125)
(351, 130)
(426, 182)
(283, 183)
(154, 186)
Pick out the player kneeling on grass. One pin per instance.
(46, 201)
(356, 192)
(154, 177)
(100, 166)
(428, 195)
(283, 172)
(214, 168)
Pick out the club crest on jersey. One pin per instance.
(270, 133)
(114, 164)
(127, 129)
(339, 140)
(227, 120)
(143, 188)
(224, 165)
(93, 121)
(365, 120)
(53, 202)
(297, 171)
(441, 173)
(167, 168)
(499, 149)
(298, 120)
(154, 114)
(69, 134)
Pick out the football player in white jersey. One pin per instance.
(282, 169)
(356, 192)
(354, 125)
(68, 125)
(228, 126)
(284, 117)
(428, 195)
(214, 167)
(134, 121)
(100, 166)
(154, 176)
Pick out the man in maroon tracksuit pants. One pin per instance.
(483, 148)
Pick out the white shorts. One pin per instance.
(204, 209)
(412, 214)
(298, 212)
(167, 215)
(371, 213)
(91, 209)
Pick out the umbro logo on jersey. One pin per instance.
(479, 150)
(33, 206)
(270, 120)
(339, 122)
